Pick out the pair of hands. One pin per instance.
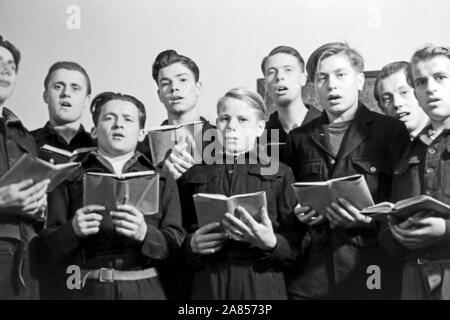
(127, 220)
(179, 161)
(24, 198)
(245, 229)
(418, 231)
(340, 214)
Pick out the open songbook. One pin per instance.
(163, 138)
(405, 208)
(63, 156)
(319, 195)
(212, 207)
(31, 167)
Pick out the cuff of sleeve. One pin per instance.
(280, 252)
(154, 244)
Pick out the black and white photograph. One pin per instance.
(224, 155)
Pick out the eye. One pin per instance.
(57, 86)
(164, 84)
(404, 92)
(183, 79)
(243, 119)
(419, 82)
(441, 77)
(76, 88)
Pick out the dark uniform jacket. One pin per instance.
(238, 271)
(107, 248)
(424, 170)
(17, 275)
(274, 124)
(47, 135)
(337, 259)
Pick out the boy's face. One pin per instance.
(398, 100)
(66, 96)
(238, 126)
(7, 74)
(118, 130)
(431, 80)
(337, 84)
(177, 88)
(284, 78)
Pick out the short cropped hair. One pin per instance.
(286, 50)
(68, 65)
(427, 52)
(169, 57)
(250, 97)
(331, 49)
(385, 72)
(13, 49)
(102, 98)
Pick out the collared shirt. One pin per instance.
(48, 135)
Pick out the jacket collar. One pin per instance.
(48, 130)
(358, 131)
(93, 158)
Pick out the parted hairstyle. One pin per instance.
(169, 57)
(286, 50)
(427, 52)
(102, 98)
(331, 49)
(251, 98)
(68, 65)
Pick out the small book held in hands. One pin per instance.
(162, 139)
(319, 195)
(31, 167)
(64, 156)
(139, 189)
(212, 207)
(406, 208)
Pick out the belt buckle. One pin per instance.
(421, 261)
(106, 275)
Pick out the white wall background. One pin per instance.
(119, 39)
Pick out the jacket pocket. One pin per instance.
(378, 176)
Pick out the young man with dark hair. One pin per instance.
(67, 93)
(284, 75)
(117, 263)
(179, 86)
(396, 98)
(423, 241)
(21, 204)
(347, 139)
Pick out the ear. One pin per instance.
(94, 133)
(198, 88)
(87, 102)
(303, 79)
(360, 78)
(260, 126)
(45, 96)
(159, 96)
(141, 135)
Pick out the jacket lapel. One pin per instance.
(318, 135)
(357, 133)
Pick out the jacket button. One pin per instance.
(373, 169)
(428, 192)
(431, 151)
(332, 161)
(11, 159)
(430, 170)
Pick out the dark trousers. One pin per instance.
(18, 279)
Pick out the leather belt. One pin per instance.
(111, 275)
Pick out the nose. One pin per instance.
(280, 75)
(332, 82)
(118, 123)
(398, 102)
(232, 124)
(431, 85)
(65, 92)
(175, 86)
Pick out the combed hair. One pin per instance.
(425, 53)
(169, 57)
(250, 97)
(331, 49)
(68, 65)
(286, 50)
(385, 72)
(102, 98)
